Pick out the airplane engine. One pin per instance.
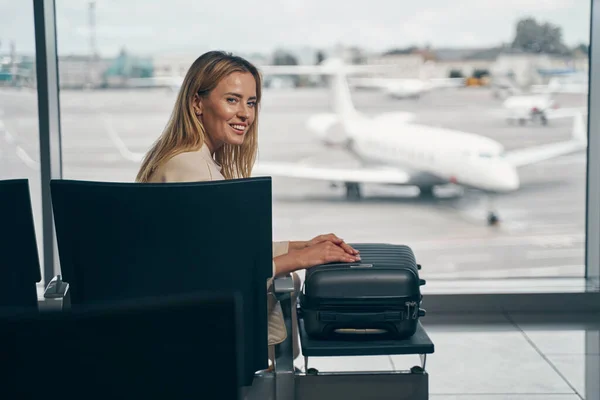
(333, 137)
(327, 129)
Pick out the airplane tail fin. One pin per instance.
(580, 132)
(342, 98)
(337, 72)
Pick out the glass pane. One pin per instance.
(19, 130)
(467, 115)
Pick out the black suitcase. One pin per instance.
(380, 296)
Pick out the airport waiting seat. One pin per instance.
(178, 347)
(19, 259)
(123, 241)
(120, 241)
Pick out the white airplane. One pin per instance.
(524, 108)
(394, 151)
(534, 108)
(399, 88)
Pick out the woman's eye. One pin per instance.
(231, 99)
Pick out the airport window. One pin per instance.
(119, 81)
(19, 122)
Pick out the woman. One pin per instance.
(212, 135)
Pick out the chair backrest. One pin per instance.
(19, 259)
(181, 347)
(129, 240)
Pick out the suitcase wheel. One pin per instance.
(417, 370)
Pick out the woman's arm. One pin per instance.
(298, 244)
(320, 253)
(280, 248)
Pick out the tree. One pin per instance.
(532, 37)
(320, 57)
(281, 57)
(582, 48)
(396, 51)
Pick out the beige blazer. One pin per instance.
(199, 165)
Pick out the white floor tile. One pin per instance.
(500, 362)
(573, 368)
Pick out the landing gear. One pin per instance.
(353, 192)
(492, 219)
(539, 116)
(492, 216)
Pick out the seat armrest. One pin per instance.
(56, 289)
(283, 287)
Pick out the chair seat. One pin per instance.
(419, 343)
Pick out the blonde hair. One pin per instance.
(185, 132)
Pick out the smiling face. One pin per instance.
(228, 111)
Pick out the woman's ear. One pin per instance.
(197, 105)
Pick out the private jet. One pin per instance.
(393, 150)
(534, 108)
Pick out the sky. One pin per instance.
(150, 27)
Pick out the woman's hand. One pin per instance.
(321, 253)
(324, 238)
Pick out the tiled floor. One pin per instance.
(493, 357)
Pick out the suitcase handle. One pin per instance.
(389, 316)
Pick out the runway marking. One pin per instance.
(517, 285)
(465, 258)
(118, 142)
(114, 136)
(27, 160)
(576, 270)
(545, 241)
(19, 151)
(553, 253)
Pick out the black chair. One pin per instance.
(184, 347)
(19, 259)
(128, 240)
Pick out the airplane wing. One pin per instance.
(372, 83)
(332, 174)
(537, 154)
(548, 151)
(555, 113)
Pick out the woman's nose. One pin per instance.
(244, 112)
